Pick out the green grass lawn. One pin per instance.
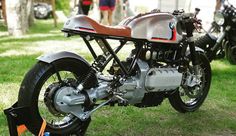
(216, 117)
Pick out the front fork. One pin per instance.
(193, 55)
(218, 43)
(190, 39)
(196, 76)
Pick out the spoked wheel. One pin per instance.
(38, 91)
(194, 89)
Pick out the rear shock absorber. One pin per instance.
(97, 65)
(86, 79)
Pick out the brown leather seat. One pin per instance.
(109, 30)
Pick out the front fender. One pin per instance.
(49, 58)
(197, 49)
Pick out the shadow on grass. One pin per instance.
(161, 121)
(34, 39)
(39, 27)
(3, 28)
(44, 26)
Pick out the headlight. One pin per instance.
(219, 18)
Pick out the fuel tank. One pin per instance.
(155, 27)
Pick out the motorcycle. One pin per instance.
(225, 44)
(42, 10)
(64, 90)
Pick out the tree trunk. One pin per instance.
(17, 20)
(30, 12)
(73, 4)
(118, 13)
(4, 11)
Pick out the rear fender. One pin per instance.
(50, 58)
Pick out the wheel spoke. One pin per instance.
(59, 77)
(55, 120)
(189, 100)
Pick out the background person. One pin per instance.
(218, 4)
(107, 7)
(84, 6)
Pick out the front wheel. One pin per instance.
(38, 90)
(194, 89)
(206, 43)
(231, 54)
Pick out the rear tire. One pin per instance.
(175, 99)
(32, 86)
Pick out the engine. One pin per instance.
(162, 79)
(154, 74)
(150, 80)
(160, 52)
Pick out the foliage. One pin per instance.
(63, 5)
(2, 27)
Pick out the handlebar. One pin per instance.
(189, 20)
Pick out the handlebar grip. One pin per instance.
(197, 9)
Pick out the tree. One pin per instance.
(73, 4)
(19, 14)
(30, 12)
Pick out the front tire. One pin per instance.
(177, 99)
(33, 95)
(231, 54)
(206, 43)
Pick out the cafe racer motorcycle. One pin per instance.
(217, 47)
(65, 90)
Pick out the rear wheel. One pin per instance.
(193, 91)
(38, 90)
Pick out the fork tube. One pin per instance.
(192, 51)
(189, 30)
(217, 45)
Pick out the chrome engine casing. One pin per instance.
(133, 88)
(147, 80)
(150, 80)
(162, 79)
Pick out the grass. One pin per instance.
(217, 116)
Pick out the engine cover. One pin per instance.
(162, 79)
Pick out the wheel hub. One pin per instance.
(49, 98)
(58, 98)
(192, 84)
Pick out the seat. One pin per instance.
(120, 31)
